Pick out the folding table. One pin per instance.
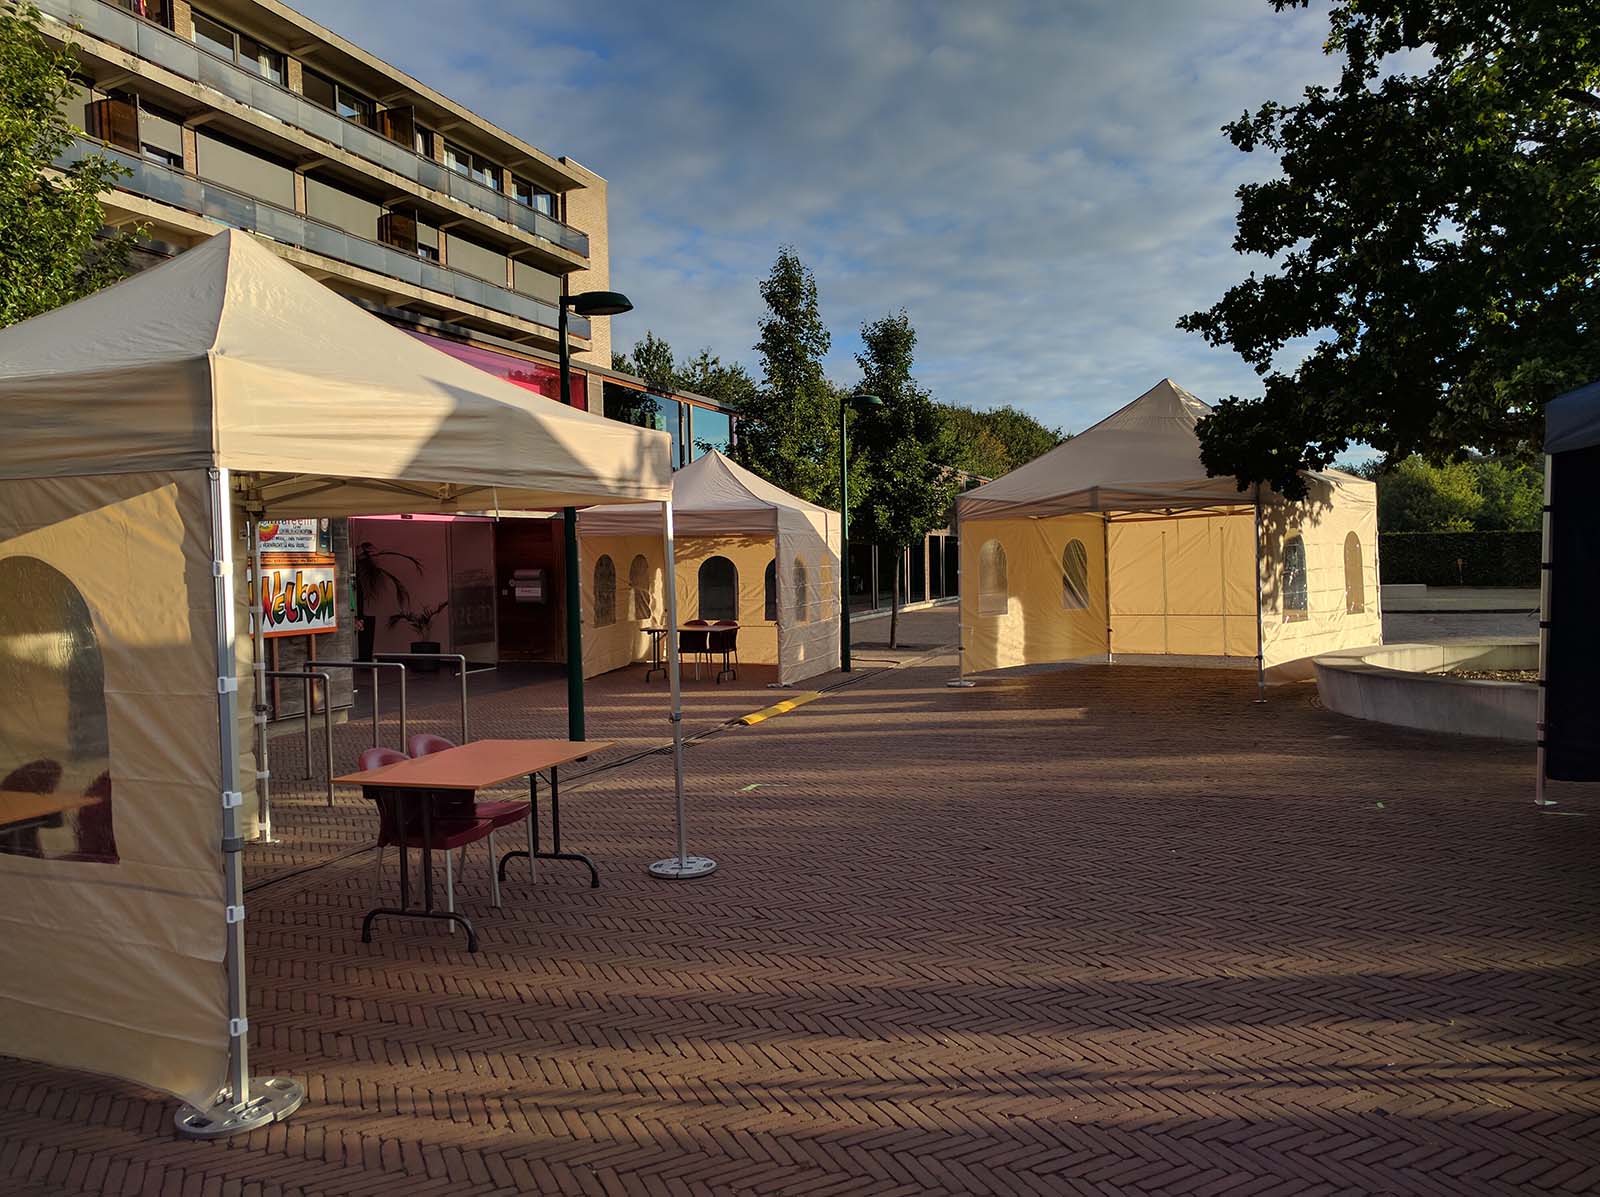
(459, 773)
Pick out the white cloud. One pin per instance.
(1042, 185)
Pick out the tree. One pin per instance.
(50, 216)
(1482, 495)
(995, 442)
(729, 385)
(905, 446)
(790, 424)
(1435, 227)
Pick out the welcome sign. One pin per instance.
(298, 600)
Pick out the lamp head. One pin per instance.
(862, 400)
(599, 303)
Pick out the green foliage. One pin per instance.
(652, 360)
(789, 426)
(728, 384)
(1435, 227)
(995, 442)
(904, 443)
(1484, 495)
(48, 226)
(1460, 558)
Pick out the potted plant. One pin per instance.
(372, 578)
(420, 622)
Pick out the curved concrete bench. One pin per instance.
(1401, 684)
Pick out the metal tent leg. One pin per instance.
(1261, 646)
(683, 865)
(244, 1104)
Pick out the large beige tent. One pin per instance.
(746, 550)
(148, 427)
(1116, 544)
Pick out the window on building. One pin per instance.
(710, 429)
(219, 39)
(159, 11)
(531, 195)
(1355, 582)
(1075, 576)
(993, 598)
(605, 592)
(719, 589)
(473, 166)
(1295, 606)
(346, 101)
(802, 601)
(422, 141)
(769, 611)
(644, 599)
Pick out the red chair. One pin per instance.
(724, 639)
(96, 840)
(696, 643)
(502, 813)
(449, 830)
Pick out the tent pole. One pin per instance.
(259, 631)
(1261, 648)
(1106, 561)
(234, 1109)
(1545, 570)
(683, 865)
(961, 681)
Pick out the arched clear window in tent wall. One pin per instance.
(639, 585)
(1295, 605)
(605, 592)
(993, 597)
(1075, 576)
(802, 601)
(719, 589)
(1355, 582)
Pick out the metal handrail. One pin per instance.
(310, 678)
(461, 667)
(377, 734)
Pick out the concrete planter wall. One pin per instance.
(1400, 684)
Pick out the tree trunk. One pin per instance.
(894, 600)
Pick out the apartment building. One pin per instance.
(245, 113)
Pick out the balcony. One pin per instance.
(185, 59)
(165, 185)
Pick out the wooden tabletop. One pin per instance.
(477, 765)
(20, 807)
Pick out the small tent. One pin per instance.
(747, 551)
(1117, 544)
(148, 428)
(1569, 635)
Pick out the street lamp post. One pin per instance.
(845, 401)
(585, 303)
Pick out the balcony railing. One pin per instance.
(168, 186)
(184, 58)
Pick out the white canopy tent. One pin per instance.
(1116, 543)
(150, 426)
(746, 550)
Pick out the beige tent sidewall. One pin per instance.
(808, 634)
(118, 967)
(1331, 512)
(624, 641)
(1036, 625)
(1182, 586)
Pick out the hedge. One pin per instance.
(1486, 558)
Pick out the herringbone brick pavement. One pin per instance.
(1093, 931)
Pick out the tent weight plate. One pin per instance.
(273, 1099)
(674, 869)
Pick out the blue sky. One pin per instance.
(1043, 186)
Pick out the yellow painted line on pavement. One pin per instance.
(779, 708)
